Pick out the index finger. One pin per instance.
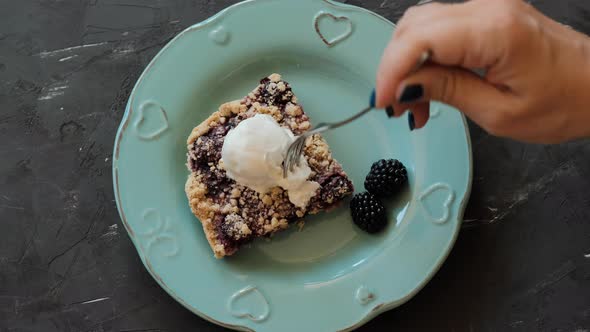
(450, 39)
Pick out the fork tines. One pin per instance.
(294, 152)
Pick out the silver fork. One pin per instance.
(293, 156)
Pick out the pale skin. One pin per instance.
(536, 86)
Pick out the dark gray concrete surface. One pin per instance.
(521, 263)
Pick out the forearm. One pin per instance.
(585, 91)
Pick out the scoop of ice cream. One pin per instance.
(253, 153)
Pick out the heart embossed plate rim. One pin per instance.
(158, 237)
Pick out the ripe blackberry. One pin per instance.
(367, 212)
(386, 177)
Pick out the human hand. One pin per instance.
(537, 71)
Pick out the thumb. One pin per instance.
(457, 87)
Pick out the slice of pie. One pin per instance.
(233, 214)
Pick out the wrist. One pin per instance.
(575, 94)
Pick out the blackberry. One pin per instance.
(368, 213)
(386, 177)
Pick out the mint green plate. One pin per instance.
(329, 276)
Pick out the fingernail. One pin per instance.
(411, 93)
(411, 121)
(372, 100)
(389, 111)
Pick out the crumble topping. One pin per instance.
(233, 214)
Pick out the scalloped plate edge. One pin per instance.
(378, 309)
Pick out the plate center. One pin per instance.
(329, 245)
(321, 236)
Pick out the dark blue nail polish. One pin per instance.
(372, 100)
(389, 111)
(411, 93)
(411, 121)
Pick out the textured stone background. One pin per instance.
(66, 264)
